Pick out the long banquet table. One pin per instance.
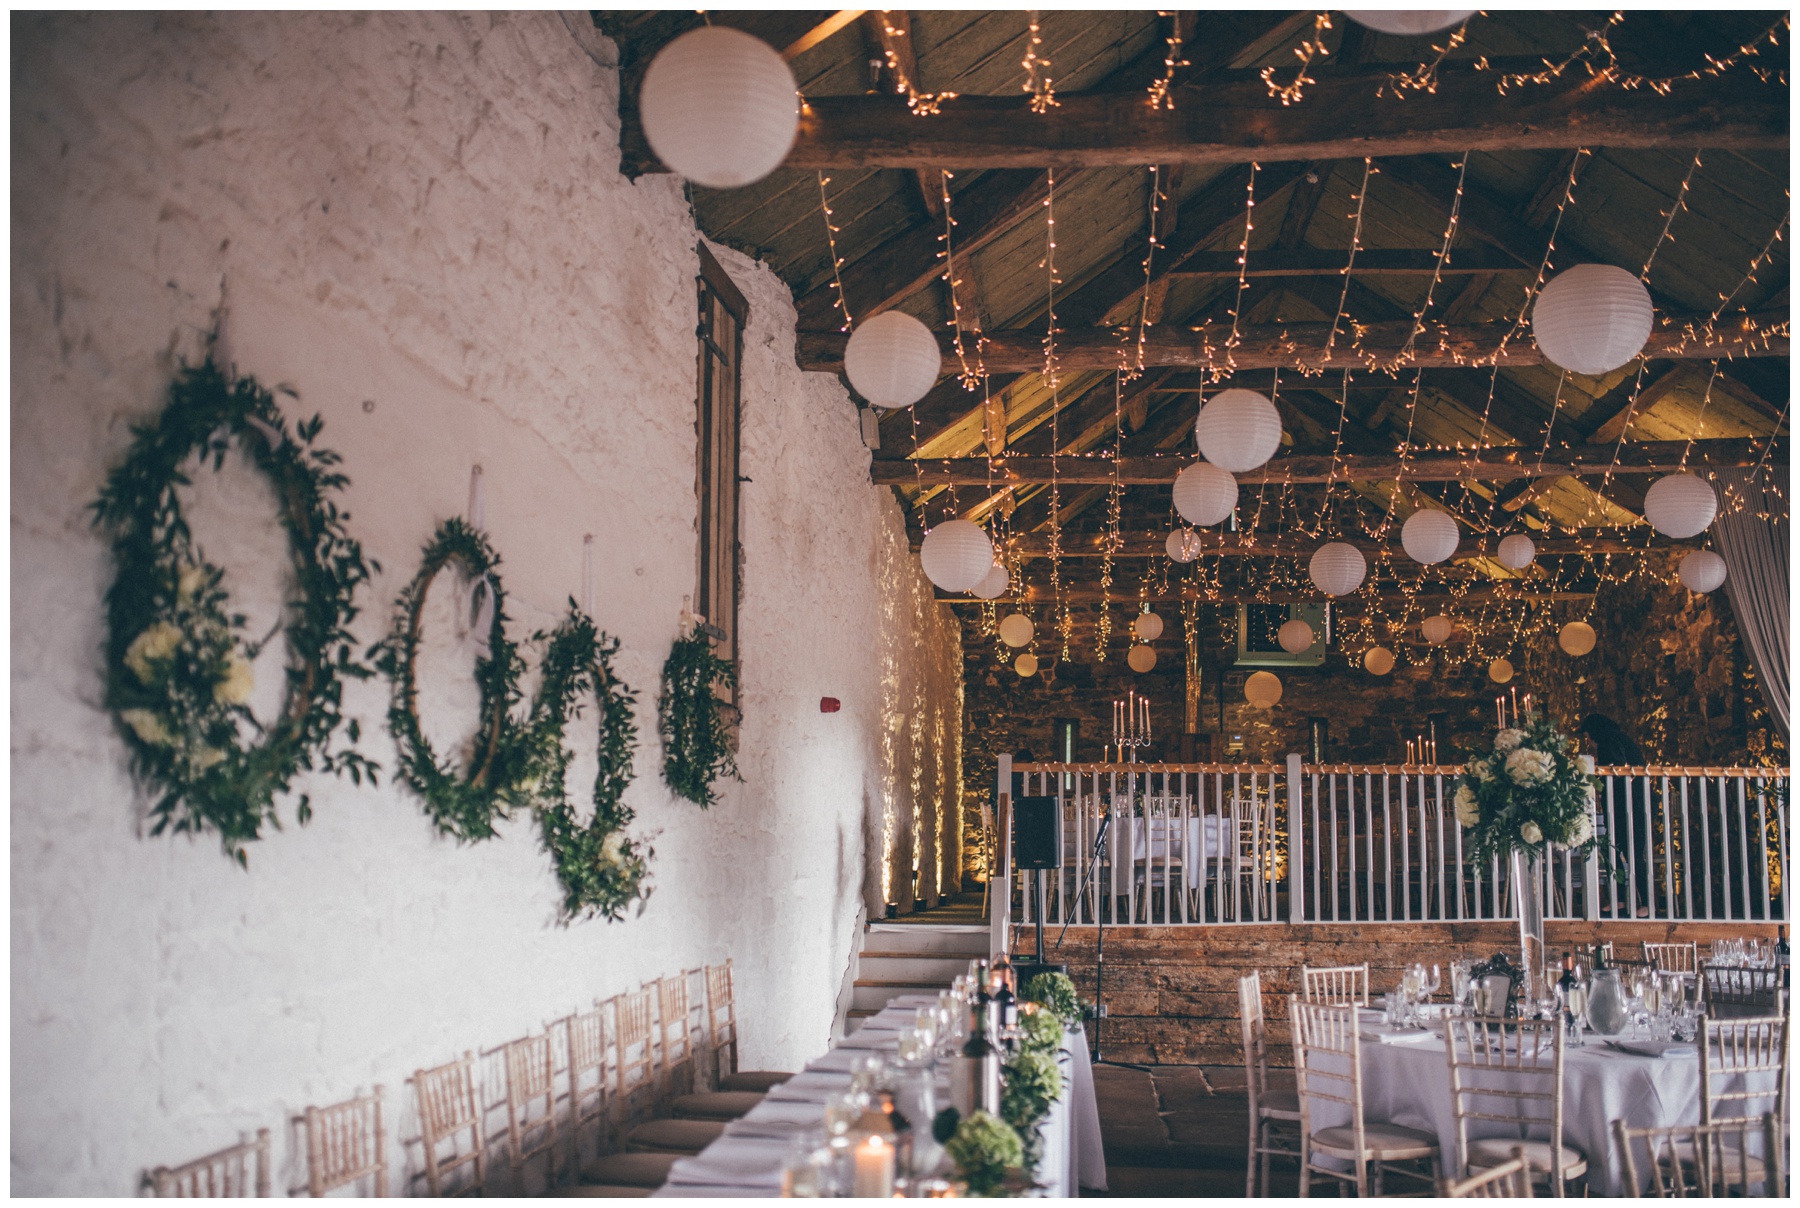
(747, 1160)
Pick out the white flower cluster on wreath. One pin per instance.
(1529, 788)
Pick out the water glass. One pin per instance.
(806, 1173)
(925, 1019)
(842, 1110)
(1459, 984)
(868, 1071)
(1575, 1001)
(913, 1047)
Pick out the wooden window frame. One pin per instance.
(718, 413)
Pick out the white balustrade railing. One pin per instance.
(1257, 843)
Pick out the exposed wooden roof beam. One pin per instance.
(818, 33)
(1330, 262)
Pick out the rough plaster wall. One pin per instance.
(423, 212)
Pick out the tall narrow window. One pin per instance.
(723, 312)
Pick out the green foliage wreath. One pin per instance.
(690, 719)
(178, 667)
(501, 766)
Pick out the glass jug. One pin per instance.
(1607, 1011)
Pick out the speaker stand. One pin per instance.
(1038, 914)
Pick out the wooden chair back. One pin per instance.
(1328, 1068)
(240, 1172)
(1673, 958)
(1255, 1034)
(721, 1014)
(585, 1035)
(633, 1059)
(675, 1037)
(531, 1082)
(1703, 1159)
(449, 1112)
(1529, 1053)
(1733, 1052)
(1336, 985)
(1511, 1180)
(346, 1143)
(1736, 991)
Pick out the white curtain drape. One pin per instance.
(1751, 534)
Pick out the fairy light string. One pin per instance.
(1312, 48)
(1424, 77)
(1037, 81)
(1162, 91)
(841, 303)
(1243, 263)
(1407, 352)
(1601, 63)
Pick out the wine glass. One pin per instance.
(1459, 984)
(925, 1020)
(842, 1110)
(1433, 981)
(867, 1070)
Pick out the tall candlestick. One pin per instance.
(1515, 706)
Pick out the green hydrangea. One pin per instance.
(1040, 1031)
(1057, 992)
(984, 1148)
(1033, 1083)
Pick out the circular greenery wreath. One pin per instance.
(464, 805)
(690, 719)
(178, 669)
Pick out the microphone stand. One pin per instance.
(1099, 929)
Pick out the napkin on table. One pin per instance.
(1656, 1048)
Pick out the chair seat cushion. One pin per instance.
(715, 1105)
(754, 1080)
(1278, 1105)
(1492, 1151)
(674, 1136)
(600, 1191)
(629, 1169)
(1382, 1142)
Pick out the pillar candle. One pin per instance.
(874, 1178)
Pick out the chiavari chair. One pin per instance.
(346, 1143)
(1274, 1114)
(1511, 1180)
(1703, 1159)
(530, 1080)
(638, 1088)
(240, 1172)
(620, 1102)
(1735, 991)
(1527, 1056)
(1335, 985)
(721, 1012)
(1673, 958)
(447, 1112)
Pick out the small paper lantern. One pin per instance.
(1238, 430)
(1437, 629)
(1703, 571)
(995, 585)
(1379, 660)
(1577, 638)
(1429, 536)
(1337, 568)
(1026, 665)
(1592, 318)
(956, 555)
(1016, 629)
(1296, 637)
(1500, 671)
(1205, 494)
(1148, 627)
(892, 359)
(1262, 690)
(1680, 505)
(1516, 551)
(1183, 545)
(720, 107)
(1141, 658)
(1409, 22)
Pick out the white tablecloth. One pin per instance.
(747, 1160)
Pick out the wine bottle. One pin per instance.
(1566, 983)
(976, 1085)
(1781, 947)
(1006, 1004)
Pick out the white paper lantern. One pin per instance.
(1337, 568)
(720, 107)
(1026, 665)
(1263, 690)
(1016, 629)
(1437, 629)
(1500, 671)
(1141, 658)
(1516, 551)
(1205, 494)
(956, 555)
(1409, 22)
(1148, 627)
(1295, 637)
(1577, 638)
(1703, 571)
(1592, 318)
(892, 360)
(1379, 660)
(1238, 430)
(995, 585)
(1429, 536)
(1183, 545)
(1680, 505)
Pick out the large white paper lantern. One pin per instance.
(1183, 545)
(1238, 430)
(1148, 627)
(1337, 568)
(1295, 637)
(1026, 665)
(994, 585)
(720, 107)
(1500, 671)
(1516, 551)
(956, 555)
(1703, 571)
(1262, 690)
(892, 360)
(1592, 318)
(1577, 638)
(1409, 22)
(1680, 505)
(1379, 660)
(1205, 494)
(1016, 629)
(1437, 629)
(1141, 658)
(1429, 536)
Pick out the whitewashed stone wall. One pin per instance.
(423, 213)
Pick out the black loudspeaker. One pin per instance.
(1034, 833)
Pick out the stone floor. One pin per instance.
(1176, 1130)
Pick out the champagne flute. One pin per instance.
(1575, 1000)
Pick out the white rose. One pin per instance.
(1478, 769)
(191, 580)
(208, 757)
(239, 680)
(613, 850)
(1581, 832)
(1528, 767)
(1586, 763)
(1507, 740)
(1531, 832)
(147, 725)
(150, 647)
(1468, 809)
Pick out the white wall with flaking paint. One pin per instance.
(421, 212)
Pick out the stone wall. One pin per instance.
(417, 221)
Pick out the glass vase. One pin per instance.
(1528, 896)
